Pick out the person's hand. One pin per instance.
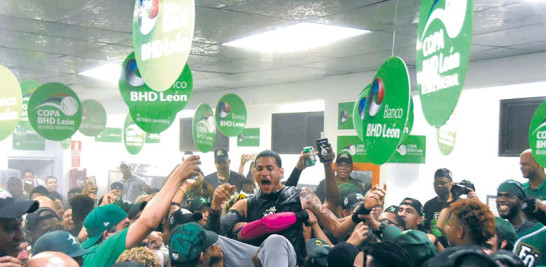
(300, 165)
(109, 198)
(9, 261)
(359, 235)
(155, 241)
(472, 194)
(245, 158)
(222, 194)
(330, 156)
(312, 218)
(188, 168)
(216, 252)
(186, 185)
(540, 205)
(375, 196)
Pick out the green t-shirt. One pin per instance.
(539, 193)
(531, 247)
(107, 252)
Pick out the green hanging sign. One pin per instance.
(354, 146)
(249, 137)
(55, 111)
(345, 115)
(203, 128)
(444, 37)
(359, 111)
(537, 134)
(65, 144)
(162, 37)
(231, 115)
(93, 118)
(446, 135)
(109, 135)
(27, 140)
(11, 102)
(153, 111)
(411, 150)
(386, 111)
(28, 87)
(133, 136)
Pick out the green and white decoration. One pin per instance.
(537, 134)
(133, 136)
(11, 102)
(231, 115)
(345, 115)
(249, 137)
(203, 128)
(93, 118)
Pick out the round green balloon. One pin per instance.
(65, 144)
(55, 111)
(93, 118)
(162, 38)
(231, 115)
(11, 102)
(386, 111)
(133, 136)
(359, 110)
(28, 87)
(444, 37)
(151, 110)
(203, 128)
(537, 134)
(446, 135)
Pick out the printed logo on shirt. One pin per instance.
(528, 254)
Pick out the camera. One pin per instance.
(461, 188)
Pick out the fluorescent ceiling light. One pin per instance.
(108, 73)
(297, 37)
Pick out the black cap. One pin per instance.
(414, 203)
(33, 219)
(352, 200)
(183, 216)
(443, 172)
(220, 155)
(344, 157)
(116, 185)
(12, 209)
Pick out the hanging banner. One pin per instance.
(55, 111)
(411, 150)
(386, 111)
(11, 102)
(153, 111)
(447, 135)
(28, 87)
(444, 37)
(203, 128)
(93, 118)
(354, 146)
(345, 115)
(231, 115)
(133, 136)
(249, 137)
(27, 140)
(537, 134)
(109, 135)
(162, 38)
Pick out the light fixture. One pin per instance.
(297, 37)
(108, 72)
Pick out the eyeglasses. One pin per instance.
(389, 222)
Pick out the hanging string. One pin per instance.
(394, 27)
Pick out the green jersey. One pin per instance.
(539, 193)
(107, 252)
(531, 246)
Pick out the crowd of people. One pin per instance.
(228, 218)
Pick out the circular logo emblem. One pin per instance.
(148, 11)
(376, 96)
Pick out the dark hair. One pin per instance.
(50, 177)
(342, 254)
(443, 172)
(388, 254)
(81, 206)
(13, 180)
(272, 154)
(477, 218)
(75, 190)
(54, 195)
(39, 190)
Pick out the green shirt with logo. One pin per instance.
(107, 252)
(539, 193)
(531, 246)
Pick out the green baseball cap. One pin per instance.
(505, 231)
(187, 242)
(198, 203)
(415, 242)
(346, 188)
(60, 241)
(101, 219)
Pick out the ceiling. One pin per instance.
(53, 40)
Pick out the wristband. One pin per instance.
(379, 231)
(301, 216)
(355, 218)
(362, 210)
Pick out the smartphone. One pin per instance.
(92, 180)
(322, 144)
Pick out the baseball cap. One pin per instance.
(99, 220)
(116, 185)
(344, 157)
(220, 155)
(443, 172)
(198, 203)
(183, 216)
(33, 219)
(135, 208)
(513, 187)
(188, 241)
(416, 204)
(352, 200)
(60, 241)
(392, 209)
(317, 251)
(505, 231)
(11, 208)
(342, 254)
(414, 242)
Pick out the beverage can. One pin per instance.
(310, 160)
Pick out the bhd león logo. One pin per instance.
(148, 11)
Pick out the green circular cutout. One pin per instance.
(133, 136)
(153, 111)
(386, 110)
(446, 135)
(162, 37)
(55, 111)
(11, 102)
(359, 110)
(93, 118)
(65, 144)
(28, 87)
(537, 134)
(204, 128)
(444, 37)
(231, 115)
